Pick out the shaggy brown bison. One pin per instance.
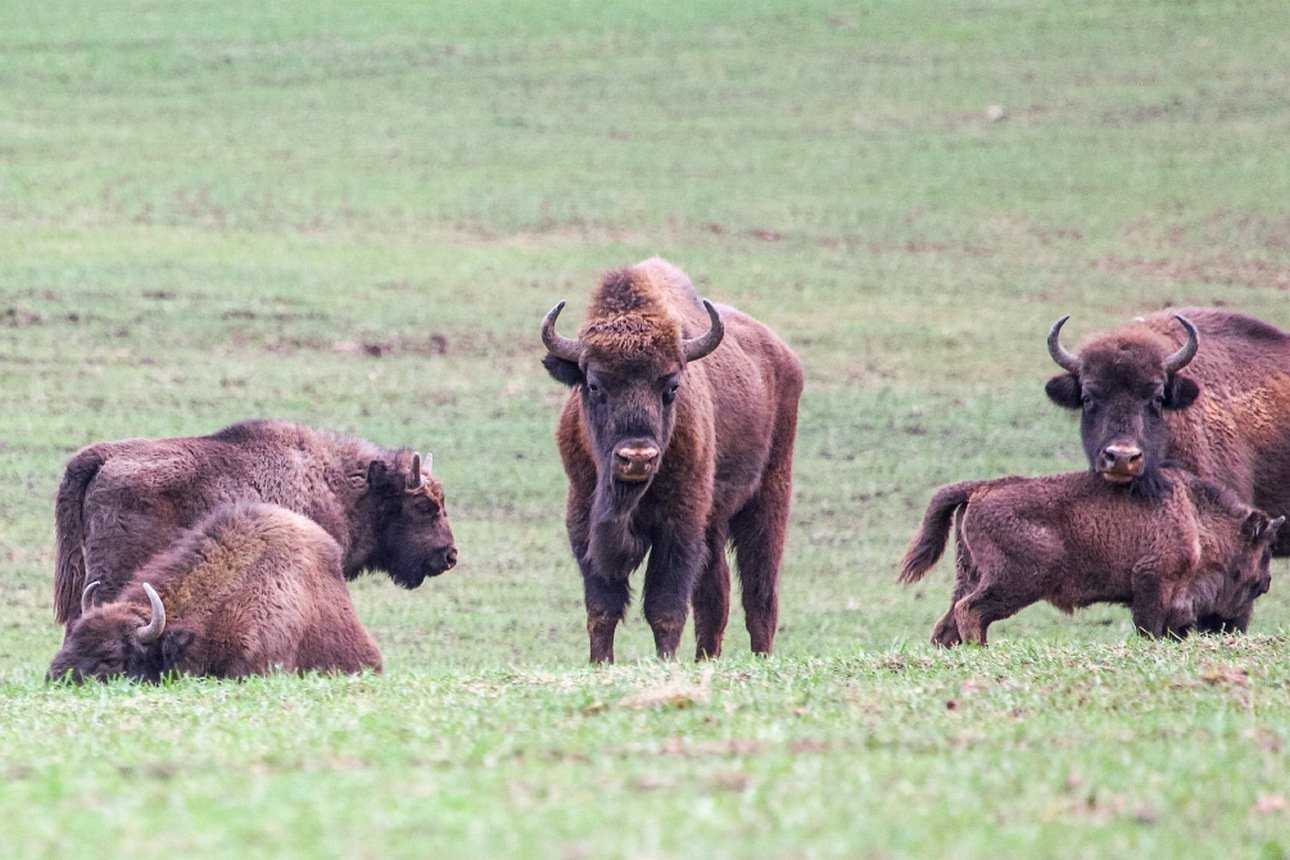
(1195, 558)
(1205, 387)
(251, 588)
(120, 503)
(677, 438)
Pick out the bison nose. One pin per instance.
(450, 558)
(1121, 463)
(635, 462)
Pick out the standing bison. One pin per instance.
(1204, 387)
(1195, 558)
(250, 589)
(677, 438)
(120, 503)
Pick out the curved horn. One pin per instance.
(558, 345)
(1065, 360)
(87, 596)
(697, 347)
(1187, 352)
(152, 630)
(415, 479)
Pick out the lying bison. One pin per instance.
(1196, 558)
(251, 588)
(677, 438)
(120, 503)
(1208, 388)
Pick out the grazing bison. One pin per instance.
(120, 503)
(1195, 558)
(251, 588)
(677, 438)
(1207, 388)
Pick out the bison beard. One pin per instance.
(656, 414)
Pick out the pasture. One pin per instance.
(355, 216)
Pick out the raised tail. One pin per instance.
(927, 547)
(69, 509)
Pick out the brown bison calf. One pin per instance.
(250, 589)
(1196, 558)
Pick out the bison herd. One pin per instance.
(227, 555)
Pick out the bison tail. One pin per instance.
(928, 545)
(69, 508)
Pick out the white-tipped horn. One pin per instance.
(154, 628)
(416, 475)
(87, 596)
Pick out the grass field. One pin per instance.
(355, 215)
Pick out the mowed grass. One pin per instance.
(355, 216)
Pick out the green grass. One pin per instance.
(355, 215)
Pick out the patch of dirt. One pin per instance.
(1220, 271)
(12, 317)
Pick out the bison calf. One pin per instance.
(1196, 558)
(251, 588)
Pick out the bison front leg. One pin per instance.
(1148, 604)
(606, 602)
(604, 579)
(674, 564)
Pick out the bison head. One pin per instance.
(1246, 576)
(414, 540)
(628, 370)
(113, 639)
(1123, 383)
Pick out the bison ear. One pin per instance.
(1259, 527)
(379, 476)
(174, 648)
(1180, 392)
(563, 371)
(1064, 390)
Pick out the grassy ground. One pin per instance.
(355, 215)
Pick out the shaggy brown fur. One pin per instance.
(675, 459)
(252, 588)
(1225, 415)
(120, 503)
(1194, 559)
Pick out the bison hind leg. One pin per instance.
(758, 531)
(946, 632)
(995, 601)
(711, 600)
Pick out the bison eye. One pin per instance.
(669, 393)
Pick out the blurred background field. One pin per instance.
(355, 216)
